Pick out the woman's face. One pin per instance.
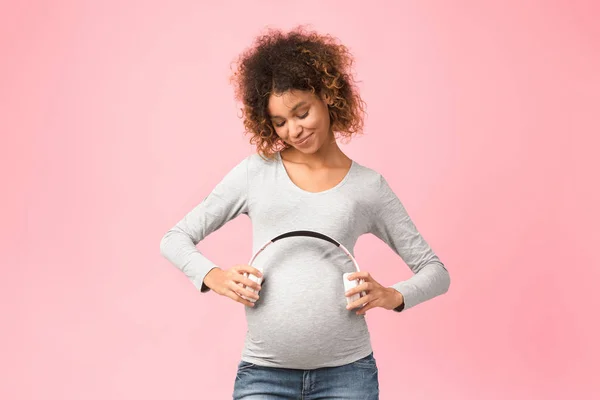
(300, 118)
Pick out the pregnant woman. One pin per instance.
(303, 340)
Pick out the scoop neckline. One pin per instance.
(298, 188)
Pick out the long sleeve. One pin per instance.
(392, 224)
(227, 200)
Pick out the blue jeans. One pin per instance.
(355, 381)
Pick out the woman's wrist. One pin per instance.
(208, 278)
(398, 300)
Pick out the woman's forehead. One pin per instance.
(289, 101)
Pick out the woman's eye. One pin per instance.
(279, 125)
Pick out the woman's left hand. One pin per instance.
(376, 295)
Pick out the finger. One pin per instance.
(236, 297)
(244, 280)
(359, 303)
(249, 294)
(366, 308)
(359, 275)
(251, 270)
(363, 287)
(243, 291)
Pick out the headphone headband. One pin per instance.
(306, 233)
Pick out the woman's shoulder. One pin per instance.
(255, 160)
(257, 163)
(369, 177)
(373, 187)
(254, 166)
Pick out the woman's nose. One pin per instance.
(294, 130)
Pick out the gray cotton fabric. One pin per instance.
(301, 320)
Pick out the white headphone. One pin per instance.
(347, 283)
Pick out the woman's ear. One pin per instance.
(327, 98)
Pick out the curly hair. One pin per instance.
(296, 60)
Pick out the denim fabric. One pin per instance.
(354, 381)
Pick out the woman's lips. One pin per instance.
(304, 140)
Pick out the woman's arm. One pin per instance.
(392, 224)
(227, 200)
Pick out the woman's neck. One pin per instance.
(328, 155)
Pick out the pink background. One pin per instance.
(117, 119)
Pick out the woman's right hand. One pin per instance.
(229, 283)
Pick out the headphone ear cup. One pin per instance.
(349, 284)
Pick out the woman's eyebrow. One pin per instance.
(300, 104)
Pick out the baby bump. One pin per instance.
(304, 319)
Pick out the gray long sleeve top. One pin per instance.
(301, 320)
